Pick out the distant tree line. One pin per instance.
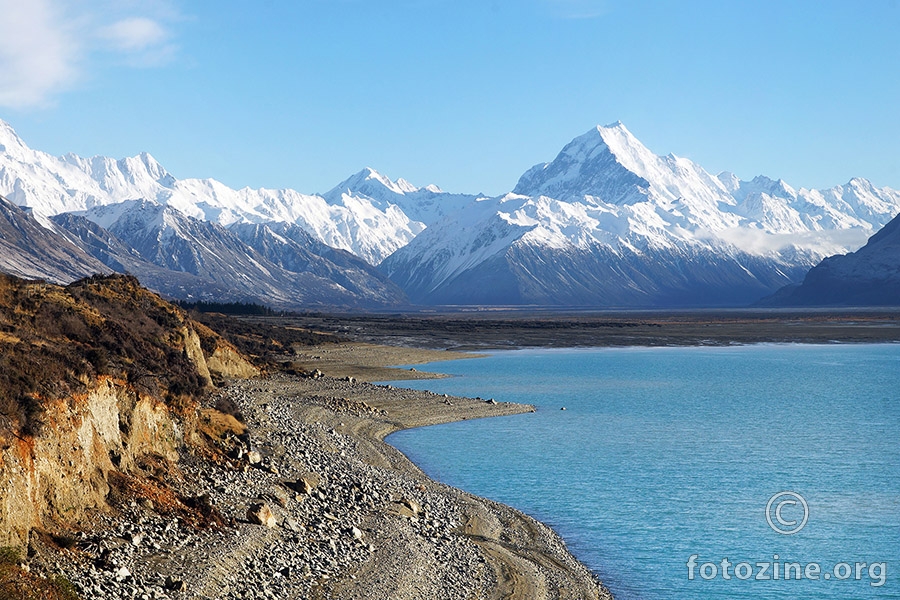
(230, 308)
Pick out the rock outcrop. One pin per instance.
(97, 377)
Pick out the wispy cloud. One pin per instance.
(134, 34)
(38, 52)
(577, 9)
(141, 41)
(48, 46)
(762, 243)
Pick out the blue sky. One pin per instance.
(463, 94)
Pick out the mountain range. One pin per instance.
(30, 251)
(607, 223)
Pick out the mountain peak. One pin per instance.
(614, 125)
(622, 142)
(6, 130)
(594, 163)
(10, 142)
(372, 183)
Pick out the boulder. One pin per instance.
(261, 514)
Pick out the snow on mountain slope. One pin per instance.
(291, 248)
(187, 257)
(868, 277)
(522, 250)
(659, 229)
(33, 252)
(609, 166)
(426, 205)
(370, 227)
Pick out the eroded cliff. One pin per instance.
(97, 377)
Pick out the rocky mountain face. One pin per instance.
(99, 381)
(609, 223)
(31, 251)
(868, 277)
(187, 258)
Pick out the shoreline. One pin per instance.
(353, 516)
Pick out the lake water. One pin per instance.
(667, 453)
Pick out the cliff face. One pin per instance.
(96, 377)
(55, 477)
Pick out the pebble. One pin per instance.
(333, 505)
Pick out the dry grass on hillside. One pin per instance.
(54, 340)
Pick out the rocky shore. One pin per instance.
(309, 502)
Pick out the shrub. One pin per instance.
(229, 407)
(11, 555)
(64, 588)
(52, 337)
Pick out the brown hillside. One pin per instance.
(96, 378)
(55, 341)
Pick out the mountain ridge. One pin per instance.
(30, 251)
(605, 198)
(52, 185)
(869, 276)
(608, 204)
(187, 258)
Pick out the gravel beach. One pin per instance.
(310, 502)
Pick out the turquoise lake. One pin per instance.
(664, 454)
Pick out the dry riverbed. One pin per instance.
(312, 503)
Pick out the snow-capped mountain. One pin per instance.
(371, 221)
(185, 257)
(423, 206)
(609, 223)
(606, 223)
(609, 167)
(31, 251)
(868, 277)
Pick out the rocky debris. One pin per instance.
(261, 514)
(353, 524)
(343, 405)
(304, 485)
(175, 585)
(414, 507)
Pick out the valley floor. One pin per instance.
(506, 328)
(353, 517)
